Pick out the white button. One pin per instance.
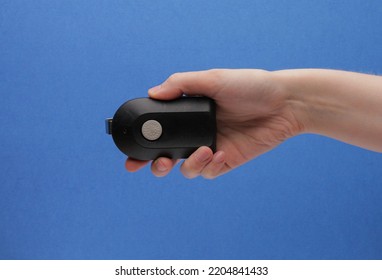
(151, 130)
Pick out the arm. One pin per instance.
(257, 110)
(342, 105)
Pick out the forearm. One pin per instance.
(342, 105)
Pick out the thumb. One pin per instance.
(189, 83)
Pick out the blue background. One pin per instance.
(64, 194)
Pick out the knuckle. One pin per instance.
(188, 175)
(214, 78)
(214, 73)
(191, 166)
(210, 173)
(188, 171)
(208, 176)
(173, 78)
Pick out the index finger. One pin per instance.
(190, 83)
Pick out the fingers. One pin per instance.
(162, 166)
(133, 165)
(203, 163)
(215, 167)
(190, 83)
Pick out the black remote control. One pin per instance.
(146, 129)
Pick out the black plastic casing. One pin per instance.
(187, 123)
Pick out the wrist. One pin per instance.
(292, 86)
(342, 105)
(312, 97)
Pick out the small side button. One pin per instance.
(109, 124)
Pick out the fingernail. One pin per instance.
(202, 157)
(154, 89)
(219, 157)
(160, 166)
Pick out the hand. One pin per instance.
(252, 115)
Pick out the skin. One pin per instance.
(257, 110)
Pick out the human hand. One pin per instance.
(252, 116)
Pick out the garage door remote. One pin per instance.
(146, 129)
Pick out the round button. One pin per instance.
(151, 130)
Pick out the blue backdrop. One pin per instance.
(64, 194)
